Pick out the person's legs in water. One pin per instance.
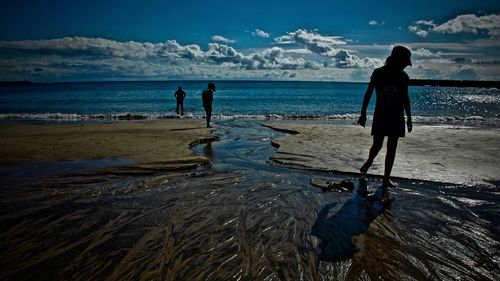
(177, 108)
(378, 141)
(392, 145)
(182, 108)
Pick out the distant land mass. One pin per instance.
(455, 83)
(413, 82)
(14, 83)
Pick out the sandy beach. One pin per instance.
(154, 145)
(243, 216)
(444, 154)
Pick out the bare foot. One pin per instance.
(364, 169)
(363, 172)
(389, 183)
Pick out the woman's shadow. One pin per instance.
(337, 231)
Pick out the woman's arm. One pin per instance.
(407, 106)
(366, 101)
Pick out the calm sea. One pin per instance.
(238, 99)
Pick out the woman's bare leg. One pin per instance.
(378, 141)
(392, 145)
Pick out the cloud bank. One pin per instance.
(468, 23)
(300, 54)
(328, 46)
(99, 57)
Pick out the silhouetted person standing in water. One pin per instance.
(179, 96)
(391, 85)
(208, 97)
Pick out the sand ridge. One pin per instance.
(154, 144)
(431, 153)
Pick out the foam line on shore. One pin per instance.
(475, 121)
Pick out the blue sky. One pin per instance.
(278, 40)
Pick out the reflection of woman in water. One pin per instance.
(391, 85)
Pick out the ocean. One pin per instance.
(238, 99)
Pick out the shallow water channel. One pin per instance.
(245, 218)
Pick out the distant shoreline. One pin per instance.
(455, 83)
(413, 82)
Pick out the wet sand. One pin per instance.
(153, 145)
(431, 153)
(243, 218)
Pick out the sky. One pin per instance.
(73, 40)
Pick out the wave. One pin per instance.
(54, 116)
(152, 116)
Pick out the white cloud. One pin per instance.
(470, 46)
(328, 46)
(83, 45)
(310, 37)
(344, 59)
(469, 23)
(374, 22)
(302, 51)
(314, 42)
(426, 23)
(422, 52)
(273, 58)
(220, 53)
(422, 33)
(452, 68)
(260, 33)
(421, 27)
(218, 38)
(468, 61)
(173, 49)
(418, 30)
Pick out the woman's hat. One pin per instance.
(211, 86)
(401, 54)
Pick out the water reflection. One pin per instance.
(208, 151)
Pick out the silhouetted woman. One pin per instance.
(391, 85)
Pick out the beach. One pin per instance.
(153, 145)
(235, 205)
(446, 154)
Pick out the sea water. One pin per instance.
(238, 99)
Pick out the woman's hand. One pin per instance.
(362, 120)
(409, 125)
